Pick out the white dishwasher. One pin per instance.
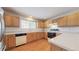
(20, 39)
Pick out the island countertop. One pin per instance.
(68, 41)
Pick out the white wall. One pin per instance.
(19, 30)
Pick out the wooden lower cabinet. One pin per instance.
(10, 41)
(46, 35)
(31, 37)
(56, 48)
(36, 36)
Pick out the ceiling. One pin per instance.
(41, 12)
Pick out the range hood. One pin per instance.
(53, 27)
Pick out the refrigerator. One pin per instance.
(2, 30)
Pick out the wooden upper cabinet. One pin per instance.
(16, 21)
(77, 20)
(8, 21)
(11, 21)
(73, 20)
(69, 20)
(47, 22)
(40, 24)
(62, 21)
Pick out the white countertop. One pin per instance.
(68, 41)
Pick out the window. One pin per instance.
(27, 24)
(32, 24)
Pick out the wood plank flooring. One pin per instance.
(39, 45)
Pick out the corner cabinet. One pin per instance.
(11, 21)
(40, 24)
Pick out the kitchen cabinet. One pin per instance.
(36, 36)
(11, 21)
(8, 21)
(31, 36)
(73, 20)
(40, 24)
(10, 41)
(47, 22)
(69, 20)
(77, 19)
(16, 21)
(46, 35)
(65, 21)
(62, 21)
(40, 35)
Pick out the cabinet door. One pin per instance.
(40, 24)
(11, 21)
(72, 20)
(16, 21)
(6, 41)
(41, 35)
(77, 19)
(62, 21)
(37, 35)
(10, 41)
(34, 36)
(8, 21)
(47, 22)
(45, 35)
(31, 37)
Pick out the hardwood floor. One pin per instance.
(39, 45)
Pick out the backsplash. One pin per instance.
(61, 29)
(19, 30)
(65, 29)
(69, 29)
